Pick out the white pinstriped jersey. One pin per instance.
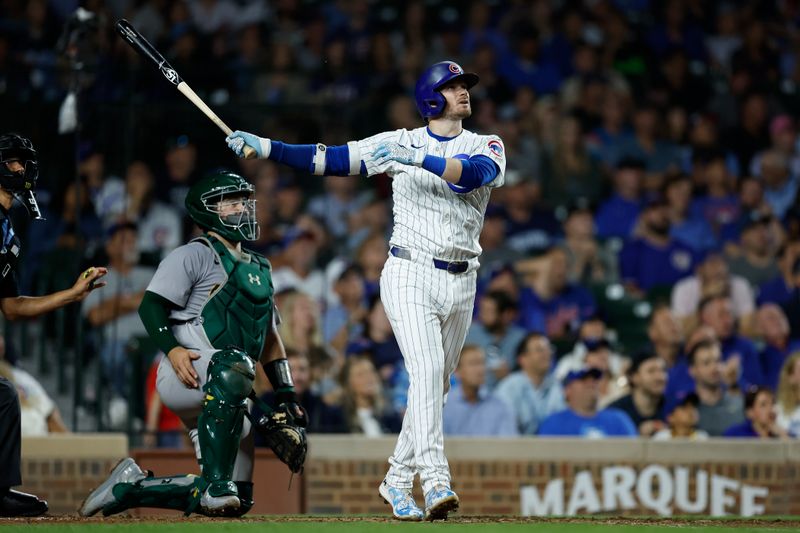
(428, 215)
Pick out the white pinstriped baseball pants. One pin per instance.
(430, 311)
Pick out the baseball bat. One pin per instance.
(148, 51)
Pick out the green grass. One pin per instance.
(307, 525)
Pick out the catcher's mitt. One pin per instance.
(285, 437)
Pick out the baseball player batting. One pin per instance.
(442, 178)
(210, 308)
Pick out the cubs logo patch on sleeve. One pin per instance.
(496, 147)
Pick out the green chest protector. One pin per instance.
(239, 313)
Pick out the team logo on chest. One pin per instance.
(254, 279)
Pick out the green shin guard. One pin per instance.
(230, 379)
(181, 493)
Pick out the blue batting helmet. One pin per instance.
(430, 102)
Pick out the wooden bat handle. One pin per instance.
(249, 153)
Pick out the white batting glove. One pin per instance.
(392, 151)
(238, 139)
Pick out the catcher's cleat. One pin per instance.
(403, 505)
(126, 471)
(219, 505)
(439, 501)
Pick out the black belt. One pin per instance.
(454, 267)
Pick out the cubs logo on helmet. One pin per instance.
(430, 101)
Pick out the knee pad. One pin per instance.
(231, 373)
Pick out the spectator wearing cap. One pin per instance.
(772, 327)
(682, 417)
(582, 418)
(471, 410)
(685, 227)
(495, 331)
(113, 311)
(588, 261)
(298, 268)
(532, 393)
(653, 259)
(617, 216)
(342, 321)
(743, 366)
(549, 303)
(780, 185)
(647, 377)
(718, 408)
(756, 259)
(787, 405)
(760, 417)
(711, 277)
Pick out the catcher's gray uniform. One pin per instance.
(187, 277)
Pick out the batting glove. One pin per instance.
(238, 139)
(392, 151)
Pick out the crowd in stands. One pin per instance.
(640, 272)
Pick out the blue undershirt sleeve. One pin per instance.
(476, 171)
(306, 157)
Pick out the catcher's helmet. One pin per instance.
(203, 204)
(15, 147)
(430, 102)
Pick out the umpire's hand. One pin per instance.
(87, 282)
(181, 360)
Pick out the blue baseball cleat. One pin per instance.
(439, 501)
(403, 505)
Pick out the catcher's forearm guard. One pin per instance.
(280, 377)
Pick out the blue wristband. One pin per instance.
(434, 164)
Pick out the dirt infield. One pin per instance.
(779, 522)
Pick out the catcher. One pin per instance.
(210, 308)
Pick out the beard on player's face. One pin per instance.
(459, 113)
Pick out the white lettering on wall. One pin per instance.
(655, 487)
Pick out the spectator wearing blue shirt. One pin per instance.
(653, 259)
(523, 66)
(742, 364)
(471, 410)
(718, 205)
(773, 328)
(659, 156)
(532, 393)
(549, 303)
(617, 216)
(759, 411)
(780, 289)
(581, 417)
(494, 330)
(686, 228)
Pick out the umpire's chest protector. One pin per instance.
(239, 313)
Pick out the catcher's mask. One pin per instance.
(224, 203)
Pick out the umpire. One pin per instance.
(18, 173)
